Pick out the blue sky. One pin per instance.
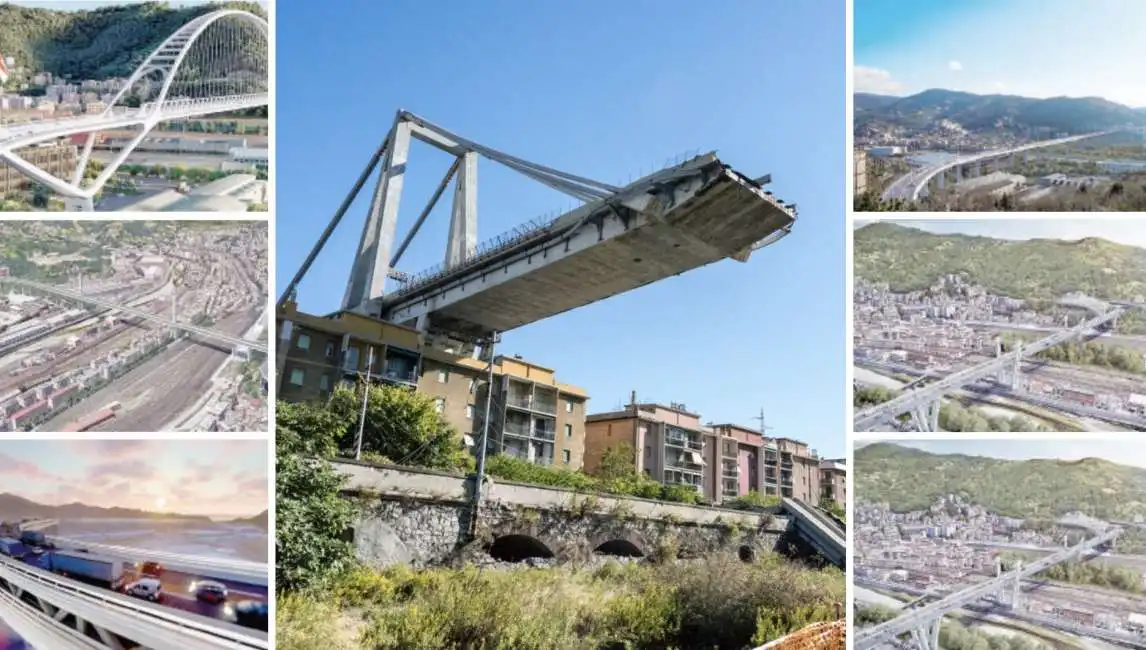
(1131, 232)
(606, 90)
(1033, 48)
(200, 477)
(1122, 452)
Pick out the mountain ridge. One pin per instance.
(13, 506)
(923, 111)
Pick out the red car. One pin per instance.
(211, 592)
(151, 569)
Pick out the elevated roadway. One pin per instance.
(106, 619)
(923, 402)
(254, 573)
(923, 623)
(822, 532)
(621, 238)
(92, 301)
(911, 186)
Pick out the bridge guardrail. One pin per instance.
(189, 633)
(243, 570)
(836, 550)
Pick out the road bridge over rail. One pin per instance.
(92, 301)
(216, 63)
(621, 238)
(913, 185)
(58, 613)
(923, 623)
(923, 402)
(821, 531)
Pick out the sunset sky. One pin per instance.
(222, 478)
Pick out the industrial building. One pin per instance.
(233, 193)
(533, 415)
(722, 461)
(56, 159)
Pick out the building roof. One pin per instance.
(205, 203)
(154, 203)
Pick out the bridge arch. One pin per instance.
(163, 66)
(517, 548)
(619, 548)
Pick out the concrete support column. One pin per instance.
(372, 261)
(941, 179)
(463, 219)
(958, 173)
(1018, 366)
(1017, 599)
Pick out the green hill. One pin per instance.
(909, 259)
(96, 43)
(979, 113)
(910, 479)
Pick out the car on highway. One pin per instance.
(145, 588)
(250, 613)
(209, 591)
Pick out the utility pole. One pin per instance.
(764, 428)
(488, 350)
(365, 399)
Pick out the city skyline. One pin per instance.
(1118, 452)
(214, 478)
(905, 48)
(1129, 232)
(647, 104)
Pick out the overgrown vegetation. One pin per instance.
(910, 479)
(616, 474)
(1097, 574)
(1089, 353)
(719, 602)
(909, 259)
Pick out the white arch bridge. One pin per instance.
(216, 63)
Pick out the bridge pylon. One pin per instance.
(926, 637)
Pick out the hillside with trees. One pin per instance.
(910, 479)
(97, 43)
(909, 259)
(990, 113)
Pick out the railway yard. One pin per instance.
(67, 366)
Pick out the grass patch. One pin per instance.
(718, 602)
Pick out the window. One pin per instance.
(568, 430)
(303, 342)
(440, 404)
(324, 383)
(565, 456)
(469, 411)
(568, 406)
(443, 376)
(329, 352)
(297, 376)
(473, 384)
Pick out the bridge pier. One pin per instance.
(926, 637)
(926, 418)
(1017, 367)
(462, 239)
(941, 179)
(958, 173)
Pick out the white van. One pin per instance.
(147, 588)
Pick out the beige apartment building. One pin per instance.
(533, 415)
(722, 461)
(56, 159)
(834, 481)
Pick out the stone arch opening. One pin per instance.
(516, 548)
(746, 553)
(619, 548)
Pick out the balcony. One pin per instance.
(730, 471)
(517, 429)
(519, 400)
(786, 482)
(545, 433)
(683, 442)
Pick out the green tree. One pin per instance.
(311, 516)
(617, 462)
(401, 425)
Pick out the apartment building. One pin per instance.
(747, 463)
(670, 444)
(56, 159)
(799, 470)
(532, 414)
(834, 481)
